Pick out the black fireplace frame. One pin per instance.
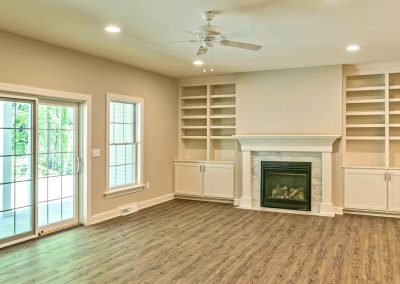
(290, 167)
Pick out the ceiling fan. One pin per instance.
(208, 34)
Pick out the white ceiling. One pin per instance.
(294, 33)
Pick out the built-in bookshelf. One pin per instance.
(372, 120)
(208, 122)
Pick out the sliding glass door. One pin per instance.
(58, 166)
(17, 170)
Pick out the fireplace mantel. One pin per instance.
(288, 143)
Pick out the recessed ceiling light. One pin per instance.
(198, 62)
(113, 29)
(353, 47)
(204, 70)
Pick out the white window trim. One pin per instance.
(110, 193)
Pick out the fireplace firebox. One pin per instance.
(286, 185)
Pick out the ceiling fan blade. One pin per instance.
(238, 44)
(202, 50)
(183, 41)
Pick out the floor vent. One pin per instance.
(128, 209)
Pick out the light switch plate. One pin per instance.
(95, 153)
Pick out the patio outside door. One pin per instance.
(17, 170)
(58, 165)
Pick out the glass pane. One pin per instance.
(6, 224)
(120, 157)
(7, 113)
(43, 165)
(42, 119)
(6, 142)
(67, 141)
(68, 164)
(111, 133)
(54, 213)
(23, 220)
(54, 117)
(54, 141)
(23, 168)
(54, 188)
(130, 154)
(67, 186)
(129, 173)
(112, 181)
(23, 116)
(42, 137)
(120, 175)
(128, 133)
(54, 164)
(67, 208)
(67, 118)
(7, 169)
(113, 155)
(42, 214)
(23, 144)
(118, 112)
(128, 113)
(42, 189)
(6, 197)
(23, 194)
(118, 133)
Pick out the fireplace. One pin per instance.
(286, 185)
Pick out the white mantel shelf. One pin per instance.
(288, 143)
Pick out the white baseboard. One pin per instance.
(338, 210)
(104, 216)
(236, 202)
(155, 201)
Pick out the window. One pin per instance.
(124, 145)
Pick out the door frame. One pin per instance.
(85, 143)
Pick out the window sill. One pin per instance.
(123, 191)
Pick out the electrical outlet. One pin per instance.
(147, 185)
(95, 153)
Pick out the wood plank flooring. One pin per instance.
(185, 241)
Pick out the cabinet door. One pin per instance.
(188, 179)
(218, 180)
(365, 189)
(394, 191)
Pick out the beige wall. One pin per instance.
(33, 63)
(290, 101)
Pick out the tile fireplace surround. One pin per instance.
(316, 149)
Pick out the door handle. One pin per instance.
(389, 176)
(78, 165)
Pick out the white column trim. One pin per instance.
(246, 200)
(326, 207)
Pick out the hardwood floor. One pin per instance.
(200, 242)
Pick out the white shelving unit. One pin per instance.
(208, 152)
(372, 142)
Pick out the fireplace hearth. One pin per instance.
(286, 185)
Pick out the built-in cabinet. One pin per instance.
(371, 142)
(204, 179)
(207, 149)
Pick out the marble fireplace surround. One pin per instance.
(316, 149)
